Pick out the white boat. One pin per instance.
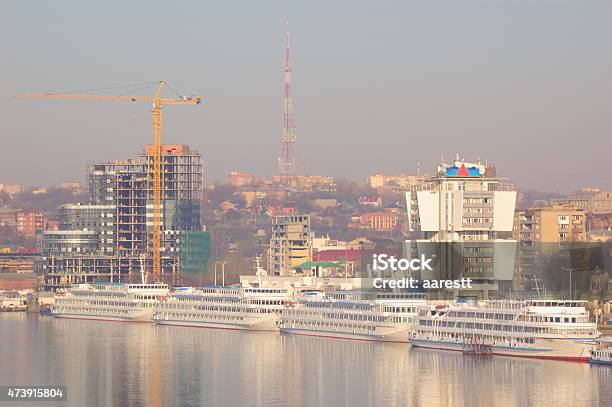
(12, 301)
(110, 302)
(370, 316)
(255, 309)
(542, 329)
(602, 352)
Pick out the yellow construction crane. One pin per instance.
(158, 102)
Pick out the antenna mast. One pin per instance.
(287, 159)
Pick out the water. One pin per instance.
(121, 364)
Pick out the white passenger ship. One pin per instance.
(602, 352)
(542, 329)
(13, 301)
(224, 308)
(110, 302)
(370, 316)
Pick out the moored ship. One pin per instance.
(542, 329)
(240, 308)
(13, 301)
(371, 316)
(602, 352)
(110, 302)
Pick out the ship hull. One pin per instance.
(546, 349)
(600, 362)
(14, 309)
(268, 324)
(141, 316)
(397, 337)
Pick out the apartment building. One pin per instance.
(546, 231)
(30, 223)
(551, 224)
(290, 243)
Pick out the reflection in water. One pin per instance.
(119, 364)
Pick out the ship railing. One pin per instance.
(375, 320)
(552, 311)
(329, 320)
(520, 323)
(519, 317)
(341, 313)
(587, 333)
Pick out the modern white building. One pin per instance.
(461, 217)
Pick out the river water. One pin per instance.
(126, 364)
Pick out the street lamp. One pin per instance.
(222, 263)
(223, 271)
(570, 269)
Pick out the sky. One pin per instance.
(378, 86)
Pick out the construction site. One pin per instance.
(110, 238)
(128, 186)
(142, 221)
(138, 209)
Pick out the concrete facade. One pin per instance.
(459, 216)
(290, 243)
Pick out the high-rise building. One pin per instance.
(290, 243)
(461, 216)
(120, 216)
(123, 185)
(182, 185)
(129, 186)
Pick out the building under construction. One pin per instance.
(290, 243)
(120, 219)
(129, 186)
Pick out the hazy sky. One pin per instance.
(378, 85)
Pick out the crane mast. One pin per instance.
(157, 123)
(158, 103)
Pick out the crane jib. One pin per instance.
(157, 104)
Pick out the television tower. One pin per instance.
(287, 159)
